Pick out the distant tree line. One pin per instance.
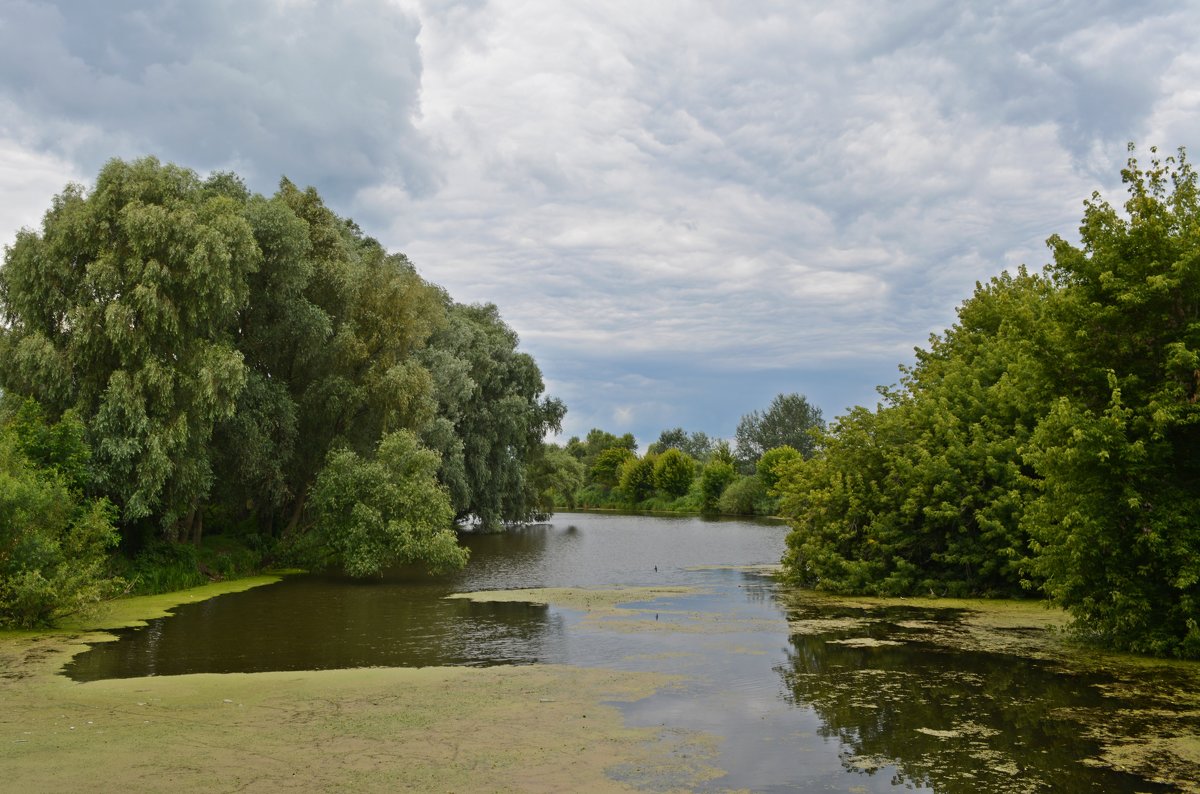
(1047, 443)
(688, 472)
(179, 353)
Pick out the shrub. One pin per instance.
(674, 472)
(53, 542)
(714, 478)
(742, 496)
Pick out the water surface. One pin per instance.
(797, 710)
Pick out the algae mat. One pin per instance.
(536, 728)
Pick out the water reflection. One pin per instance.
(952, 720)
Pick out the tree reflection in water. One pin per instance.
(955, 720)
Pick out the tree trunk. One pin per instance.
(298, 511)
(183, 529)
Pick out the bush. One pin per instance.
(163, 567)
(743, 496)
(714, 478)
(383, 511)
(674, 472)
(637, 478)
(773, 463)
(53, 542)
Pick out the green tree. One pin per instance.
(372, 513)
(788, 421)
(674, 472)
(743, 497)
(555, 475)
(491, 396)
(637, 477)
(121, 309)
(772, 464)
(927, 493)
(721, 451)
(197, 328)
(340, 322)
(597, 441)
(1114, 522)
(606, 470)
(695, 445)
(57, 447)
(715, 477)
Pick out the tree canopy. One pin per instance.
(229, 355)
(1045, 442)
(788, 421)
(695, 445)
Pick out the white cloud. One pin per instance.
(31, 179)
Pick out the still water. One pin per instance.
(864, 703)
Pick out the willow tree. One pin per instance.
(122, 309)
(196, 327)
(490, 396)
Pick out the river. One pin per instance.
(804, 693)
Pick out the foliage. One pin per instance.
(637, 478)
(123, 309)
(386, 510)
(674, 472)
(1114, 522)
(498, 419)
(786, 422)
(163, 566)
(555, 476)
(668, 480)
(589, 451)
(773, 462)
(195, 328)
(714, 478)
(926, 493)
(608, 465)
(1047, 440)
(744, 496)
(53, 541)
(695, 445)
(722, 452)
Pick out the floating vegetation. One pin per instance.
(990, 696)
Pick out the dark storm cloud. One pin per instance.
(323, 92)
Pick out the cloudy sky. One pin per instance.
(684, 208)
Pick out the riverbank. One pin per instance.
(533, 728)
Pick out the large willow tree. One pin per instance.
(223, 349)
(124, 308)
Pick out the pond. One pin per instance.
(805, 693)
